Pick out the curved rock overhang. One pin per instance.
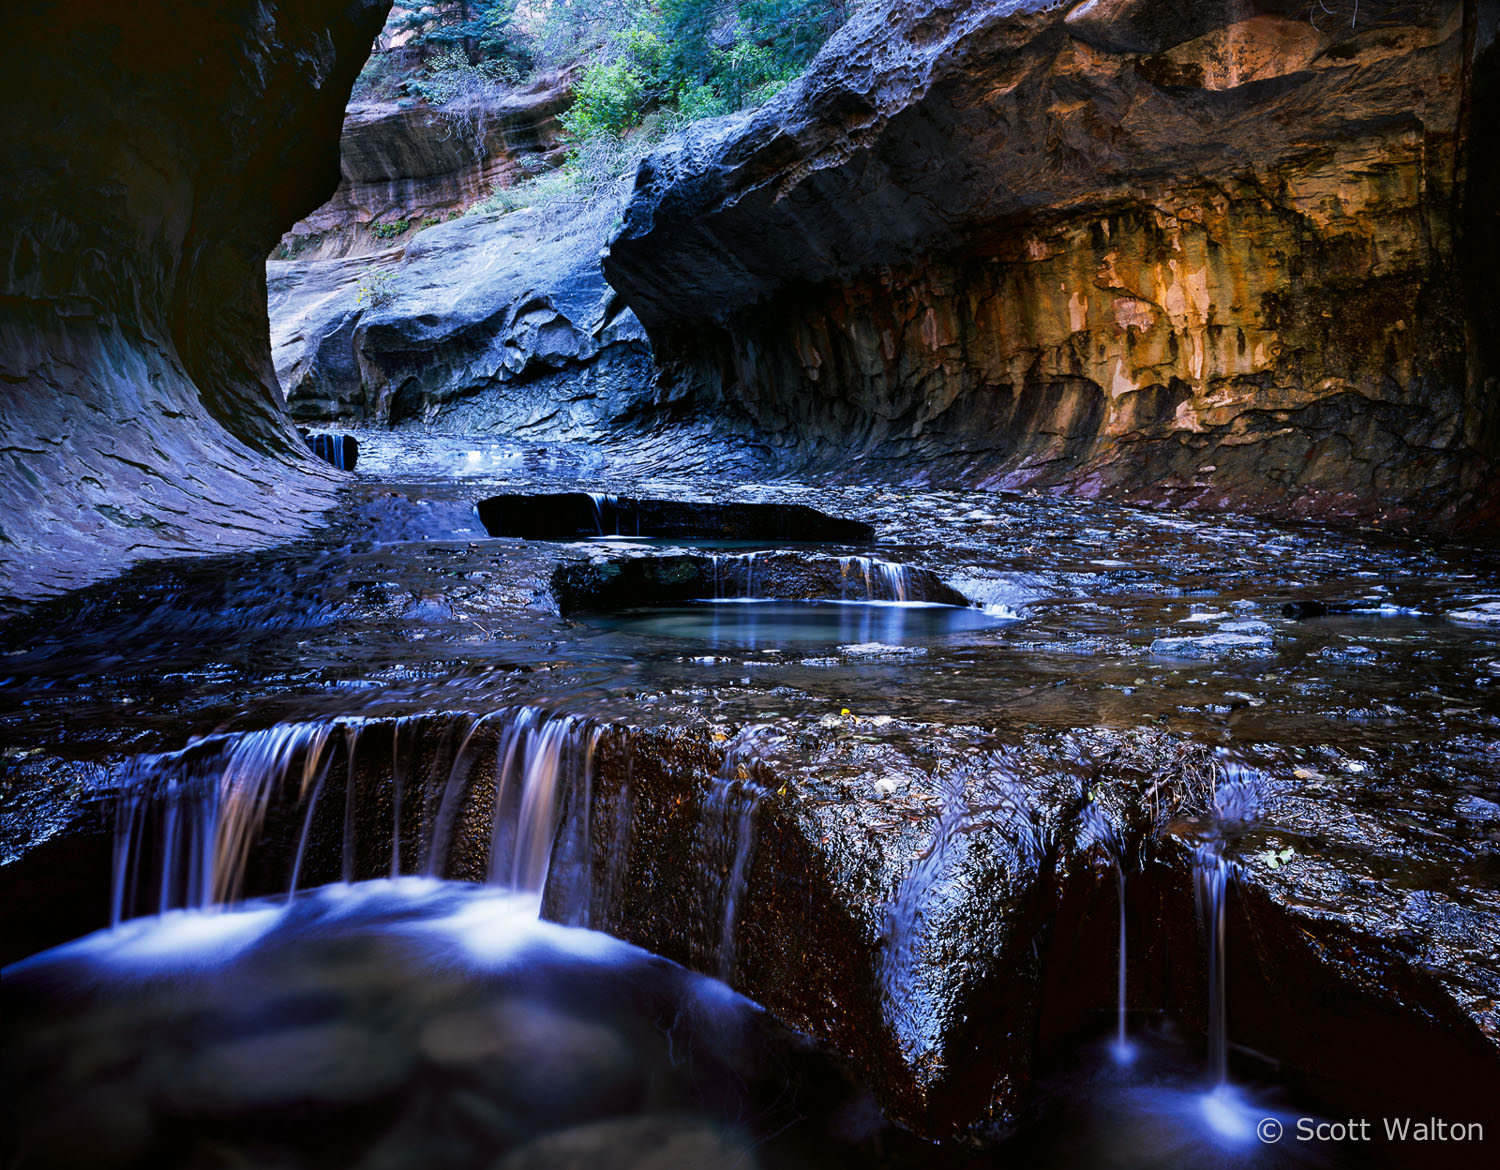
(155, 153)
(1214, 255)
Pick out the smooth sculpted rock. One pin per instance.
(879, 884)
(652, 1142)
(941, 904)
(1216, 255)
(153, 158)
(488, 323)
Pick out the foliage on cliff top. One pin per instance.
(699, 58)
(695, 58)
(642, 68)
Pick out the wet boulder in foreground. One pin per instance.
(939, 904)
(567, 516)
(879, 887)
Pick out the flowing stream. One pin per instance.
(349, 790)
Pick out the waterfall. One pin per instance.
(1236, 801)
(982, 795)
(540, 756)
(196, 813)
(339, 450)
(883, 580)
(1211, 881)
(1122, 1042)
(607, 507)
(729, 835)
(191, 825)
(1097, 829)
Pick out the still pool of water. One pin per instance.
(763, 624)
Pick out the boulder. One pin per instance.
(1209, 255)
(940, 903)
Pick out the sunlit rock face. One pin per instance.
(153, 157)
(1208, 255)
(413, 163)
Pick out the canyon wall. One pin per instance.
(415, 164)
(1216, 255)
(494, 323)
(154, 156)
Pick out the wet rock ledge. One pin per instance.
(1214, 255)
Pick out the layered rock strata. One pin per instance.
(489, 323)
(153, 159)
(1219, 255)
(405, 164)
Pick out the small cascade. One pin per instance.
(728, 837)
(982, 797)
(340, 450)
(1235, 801)
(540, 757)
(192, 816)
(606, 512)
(469, 797)
(1122, 1037)
(1211, 883)
(734, 575)
(883, 580)
(749, 562)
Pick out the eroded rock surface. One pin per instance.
(891, 846)
(493, 323)
(410, 163)
(153, 158)
(1219, 256)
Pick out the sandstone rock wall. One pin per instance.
(154, 155)
(408, 162)
(1215, 255)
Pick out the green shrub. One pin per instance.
(608, 99)
(389, 231)
(685, 59)
(700, 101)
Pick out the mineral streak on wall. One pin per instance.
(1214, 255)
(154, 154)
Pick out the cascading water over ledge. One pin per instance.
(622, 582)
(569, 516)
(471, 797)
(340, 450)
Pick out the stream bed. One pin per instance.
(905, 792)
